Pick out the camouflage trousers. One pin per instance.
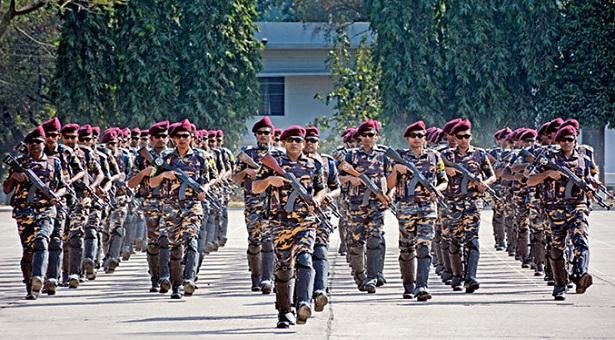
(35, 226)
(416, 225)
(135, 225)
(537, 235)
(499, 208)
(367, 245)
(56, 245)
(258, 227)
(570, 221)
(461, 232)
(522, 226)
(78, 219)
(115, 231)
(343, 223)
(158, 253)
(364, 223)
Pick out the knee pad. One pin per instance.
(556, 254)
(453, 248)
(267, 246)
(320, 253)
(176, 254)
(75, 242)
(55, 244)
(407, 255)
(253, 249)
(304, 260)
(474, 244)
(40, 244)
(153, 249)
(374, 242)
(423, 251)
(192, 245)
(163, 242)
(283, 275)
(119, 231)
(90, 233)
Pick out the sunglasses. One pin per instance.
(85, 139)
(36, 141)
(369, 134)
(277, 139)
(266, 132)
(295, 139)
(69, 136)
(111, 143)
(463, 136)
(219, 140)
(416, 135)
(312, 140)
(52, 135)
(134, 138)
(160, 136)
(568, 139)
(182, 136)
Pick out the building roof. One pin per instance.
(314, 35)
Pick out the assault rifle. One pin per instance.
(371, 186)
(574, 180)
(247, 160)
(299, 191)
(185, 180)
(37, 183)
(469, 177)
(418, 176)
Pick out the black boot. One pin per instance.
(190, 263)
(457, 267)
(407, 266)
(267, 259)
(560, 275)
(153, 265)
(357, 263)
(164, 265)
(283, 292)
(373, 262)
(304, 286)
(422, 274)
(254, 266)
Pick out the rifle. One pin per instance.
(574, 180)
(185, 180)
(36, 182)
(371, 187)
(247, 160)
(299, 191)
(469, 177)
(418, 176)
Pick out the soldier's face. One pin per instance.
(369, 138)
(312, 144)
(35, 148)
(160, 140)
(86, 140)
(51, 138)
(70, 140)
(294, 145)
(263, 136)
(463, 138)
(134, 141)
(452, 142)
(416, 139)
(567, 143)
(182, 139)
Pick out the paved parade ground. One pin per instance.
(511, 302)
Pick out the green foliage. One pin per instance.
(356, 94)
(154, 60)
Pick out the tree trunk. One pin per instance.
(595, 138)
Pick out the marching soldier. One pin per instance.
(463, 196)
(417, 212)
(567, 210)
(340, 153)
(294, 230)
(34, 207)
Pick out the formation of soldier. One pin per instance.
(86, 204)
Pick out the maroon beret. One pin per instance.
(571, 122)
(417, 126)
(184, 125)
(265, 122)
(449, 125)
(110, 135)
(211, 134)
(192, 128)
(219, 133)
(158, 128)
(312, 131)
(52, 125)
(437, 136)
(69, 128)
(554, 125)
(293, 131)
(543, 129)
(96, 130)
(430, 131)
(136, 132)
(528, 134)
(462, 125)
(38, 135)
(502, 133)
(368, 125)
(144, 133)
(565, 131)
(348, 134)
(277, 132)
(86, 130)
(124, 133)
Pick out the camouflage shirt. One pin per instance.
(49, 170)
(195, 165)
(375, 165)
(563, 191)
(476, 161)
(431, 166)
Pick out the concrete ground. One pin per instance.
(511, 302)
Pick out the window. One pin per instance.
(272, 96)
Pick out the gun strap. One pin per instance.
(182, 190)
(464, 184)
(292, 198)
(411, 186)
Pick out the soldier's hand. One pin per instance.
(400, 168)
(170, 175)
(201, 196)
(450, 171)
(556, 175)
(481, 187)
(250, 173)
(276, 181)
(355, 182)
(19, 177)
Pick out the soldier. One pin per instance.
(256, 211)
(340, 154)
(229, 160)
(294, 231)
(495, 156)
(34, 211)
(71, 172)
(323, 231)
(462, 199)
(567, 210)
(214, 219)
(366, 208)
(158, 254)
(416, 210)
(276, 138)
(183, 212)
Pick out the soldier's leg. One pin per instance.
(40, 259)
(304, 286)
(471, 226)
(578, 230)
(65, 252)
(356, 250)
(424, 237)
(55, 252)
(130, 227)
(381, 280)
(436, 251)
(267, 259)
(222, 235)
(25, 227)
(321, 276)
(212, 226)
(153, 248)
(342, 229)
(283, 274)
(117, 234)
(445, 243)
(375, 248)
(202, 236)
(407, 250)
(523, 235)
(78, 220)
(559, 229)
(90, 243)
(454, 252)
(167, 222)
(190, 223)
(498, 226)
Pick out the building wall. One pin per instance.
(609, 156)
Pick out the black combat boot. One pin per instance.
(267, 262)
(283, 292)
(457, 267)
(153, 265)
(560, 275)
(164, 265)
(407, 266)
(190, 262)
(380, 279)
(422, 274)
(357, 263)
(304, 286)
(254, 266)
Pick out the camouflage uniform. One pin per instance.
(464, 217)
(342, 203)
(440, 244)
(214, 218)
(135, 228)
(257, 214)
(367, 217)
(417, 217)
(210, 223)
(567, 209)
(35, 216)
(499, 207)
(293, 232)
(521, 199)
(182, 217)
